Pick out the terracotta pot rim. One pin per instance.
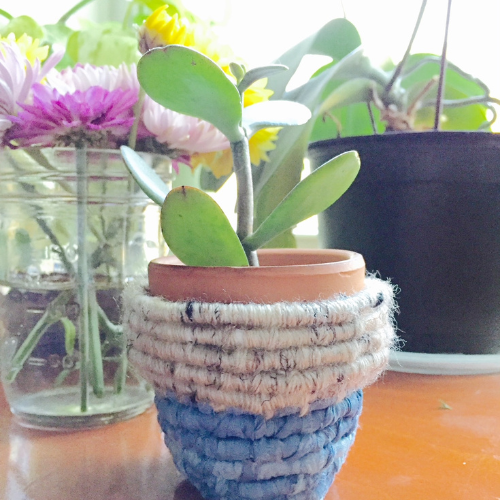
(350, 260)
(312, 274)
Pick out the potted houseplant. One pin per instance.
(74, 227)
(257, 368)
(422, 211)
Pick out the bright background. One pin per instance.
(260, 30)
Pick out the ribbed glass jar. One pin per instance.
(74, 228)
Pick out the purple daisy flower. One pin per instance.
(95, 117)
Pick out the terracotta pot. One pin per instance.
(258, 372)
(284, 275)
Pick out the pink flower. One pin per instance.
(17, 76)
(180, 132)
(96, 117)
(84, 76)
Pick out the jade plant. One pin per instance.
(194, 226)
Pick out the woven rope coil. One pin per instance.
(261, 358)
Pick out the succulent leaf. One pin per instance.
(197, 230)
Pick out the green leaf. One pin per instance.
(103, 44)
(238, 71)
(310, 94)
(57, 33)
(197, 230)
(149, 181)
(254, 74)
(351, 92)
(186, 81)
(274, 114)
(69, 336)
(348, 121)
(151, 4)
(336, 39)
(315, 193)
(22, 24)
(287, 174)
(284, 240)
(208, 181)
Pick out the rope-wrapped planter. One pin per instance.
(260, 401)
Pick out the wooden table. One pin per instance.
(420, 438)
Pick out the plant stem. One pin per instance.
(73, 11)
(243, 172)
(82, 273)
(442, 71)
(137, 118)
(53, 313)
(128, 13)
(372, 118)
(121, 371)
(5, 14)
(402, 63)
(95, 352)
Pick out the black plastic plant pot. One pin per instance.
(425, 212)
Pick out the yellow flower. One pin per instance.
(220, 162)
(29, 47)
(257, 92)
(161, 29)
(263, 141)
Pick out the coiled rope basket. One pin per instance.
(260, 401)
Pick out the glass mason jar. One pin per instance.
(74, 228)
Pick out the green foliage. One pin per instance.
(256, 74)
(194, 226)
(274, 114)
(197, 231)
(149, 181)
(22, 24)
(96, 43)
(69, 336)
(195, 86)
(336, 39)
(340, 94)
(315, 193)
(103, 44)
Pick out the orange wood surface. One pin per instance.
(409, 447)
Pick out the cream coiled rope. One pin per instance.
(261, 358)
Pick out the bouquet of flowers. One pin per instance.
(45, 102)
(73, 95)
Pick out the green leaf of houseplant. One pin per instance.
(22, 24)
(103, 44)
(209, 182)
(148, 180)
(274, 114)
(354, 91)
(252, 75)
(315, 193)
(335, 39)
(186, 81)
(310, 94)
(197, 230)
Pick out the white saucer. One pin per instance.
(444, 364)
